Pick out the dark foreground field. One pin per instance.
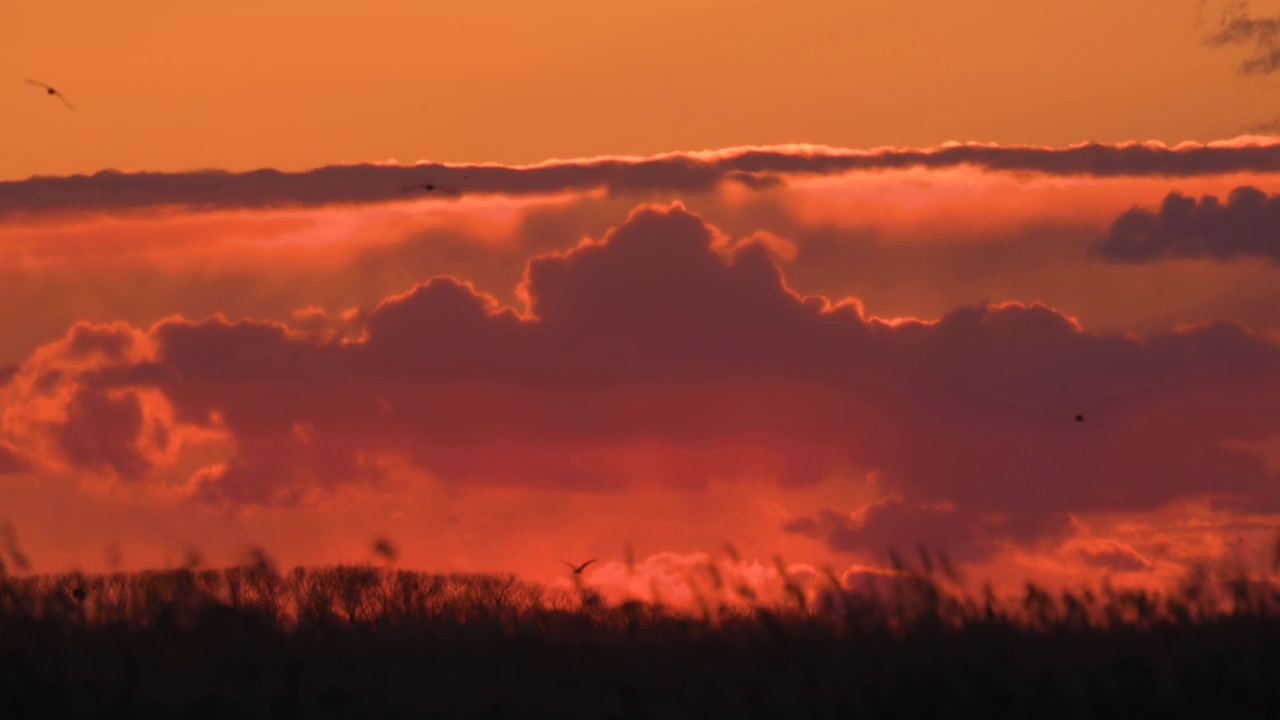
(361, 642)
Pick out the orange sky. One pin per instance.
(792, 343)
(293, 84)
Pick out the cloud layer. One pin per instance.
(755, 168)
(531, 373)
(906, 242)
(667, 353)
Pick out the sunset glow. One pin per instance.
(593, 277)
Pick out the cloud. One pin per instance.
(1247, 226)
(1265, 127)
(1238, 26)
(10, 462)
(907, 243)
(665, 353)
(758, 168)
(892, 523)
(1113, 556)
(101, 433)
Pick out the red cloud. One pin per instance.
(1114, 556)
(665, 353)
(10, 462)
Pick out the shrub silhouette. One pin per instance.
(366, 641)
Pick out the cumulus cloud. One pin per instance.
(1246, 226)
(757, 168)
(666, 353)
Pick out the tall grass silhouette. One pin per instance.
(377, 641)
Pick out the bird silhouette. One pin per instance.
(432, 187)
(1079, 418)
(577, 569)
(51, 90)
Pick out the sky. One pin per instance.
(514, 285)
(296, 84)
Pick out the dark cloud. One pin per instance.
(756, 181)
(10, 463)
(1246, 226)
(1238, 26)
(1266, 127)
(101, 433)
(757, 168)
(897, 525)
(666, 354)
(111, 341)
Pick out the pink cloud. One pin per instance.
(665, 353)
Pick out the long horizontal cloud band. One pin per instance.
(665, 353)
(677, 172)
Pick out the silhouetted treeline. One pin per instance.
(367, 642)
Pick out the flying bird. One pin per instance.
(1079, 418)
(577, 569)
(431, 187)
(51, 90)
